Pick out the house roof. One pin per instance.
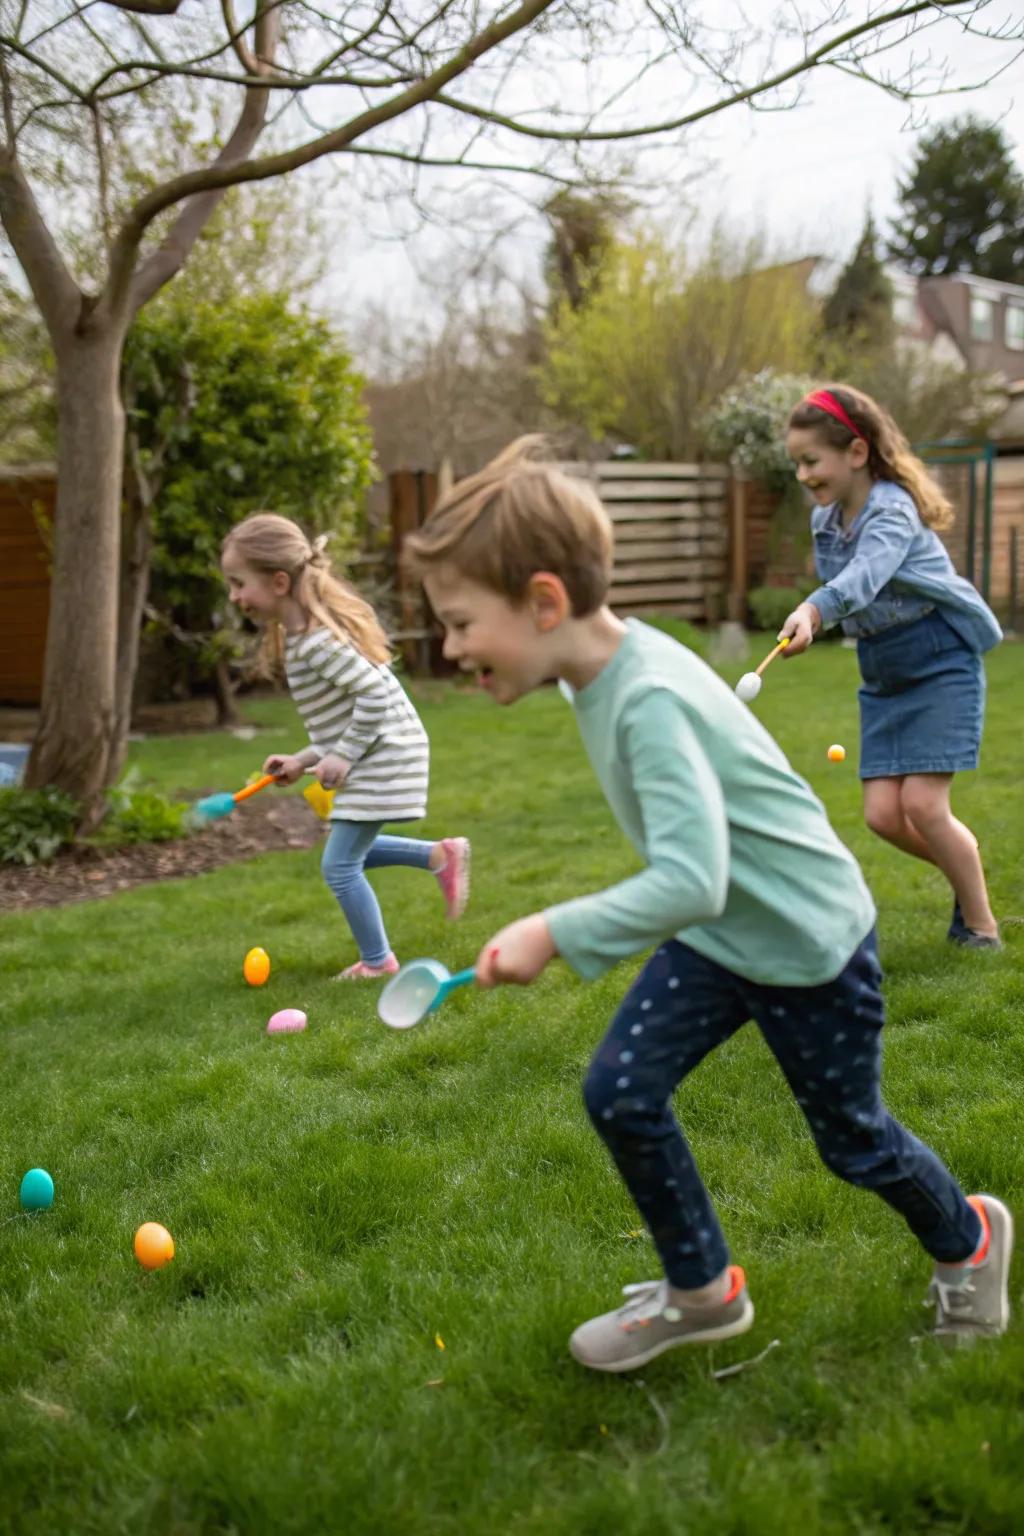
(990, 284)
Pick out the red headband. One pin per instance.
(830, 405)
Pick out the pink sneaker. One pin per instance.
(363, 972)
(453, 876)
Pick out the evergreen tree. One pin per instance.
(962, 207)
(861, 302)
(582, 233)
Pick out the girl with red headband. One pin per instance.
(920, 628)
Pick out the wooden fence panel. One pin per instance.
(671, 540)
(412, 495)
(778, 561)
(671, 535)
(1005, 580)
(24, 581)
(1007, 593)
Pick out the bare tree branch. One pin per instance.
(102, 176)
(53, 288)
(237, 38)
(166, 260)
(43, 64)
(279, 82)
(224, 173)
(462, 164)
(415, 84)
(908, 94)
(807, 62)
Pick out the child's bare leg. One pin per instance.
(952, 846)
(886, 817)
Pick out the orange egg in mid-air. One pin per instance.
(154, 1245)
(256, 967)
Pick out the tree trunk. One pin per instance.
(224, 695)
(75, 746)
(136, 546)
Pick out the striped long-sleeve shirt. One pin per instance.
(359, 710)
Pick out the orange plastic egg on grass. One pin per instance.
(154, 1245)
(256, 967)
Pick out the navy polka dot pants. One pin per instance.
(828, 1042)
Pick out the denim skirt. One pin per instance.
(922, 702)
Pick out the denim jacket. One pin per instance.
(887, 568)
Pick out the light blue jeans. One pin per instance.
(355, 846)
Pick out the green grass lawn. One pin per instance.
(383, 1240)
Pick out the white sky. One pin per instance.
(805, 177)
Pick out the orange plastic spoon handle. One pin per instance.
(254, 788)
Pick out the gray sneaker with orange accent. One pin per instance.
(647, 1324)
(972, 1300)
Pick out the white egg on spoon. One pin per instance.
(749, 685)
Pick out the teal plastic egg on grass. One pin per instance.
(36, 1193)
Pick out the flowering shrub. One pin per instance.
(747, 424)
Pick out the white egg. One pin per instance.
(748, 687)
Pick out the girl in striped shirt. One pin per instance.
(366, 740)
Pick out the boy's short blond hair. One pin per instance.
(513, 518)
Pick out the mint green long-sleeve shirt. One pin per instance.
(741, 863)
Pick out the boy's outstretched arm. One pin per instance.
(681, 830)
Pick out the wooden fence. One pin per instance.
(778, 554)
(671, 535)
(1007, 554)
(999, 566)
(671, 545)
(25, 495)
(687, 543)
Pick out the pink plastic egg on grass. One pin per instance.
(287, 1021)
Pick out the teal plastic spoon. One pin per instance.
(418, 988)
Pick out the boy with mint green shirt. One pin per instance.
(739, 852)
(756, 909)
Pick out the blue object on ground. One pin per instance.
(13, 757)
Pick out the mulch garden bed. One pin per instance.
(81, 873)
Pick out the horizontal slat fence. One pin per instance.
(671, 535)
(671, 547)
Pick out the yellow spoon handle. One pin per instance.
(771, 656)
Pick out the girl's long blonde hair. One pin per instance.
(268, 542)
(890, 456)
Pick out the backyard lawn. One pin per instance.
(385, 1239)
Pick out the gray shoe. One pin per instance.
(646, 1325)
(973, 1302)
(970, 938)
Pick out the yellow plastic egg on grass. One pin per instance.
(154, 1245)
(256, 967)
(836, 753)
